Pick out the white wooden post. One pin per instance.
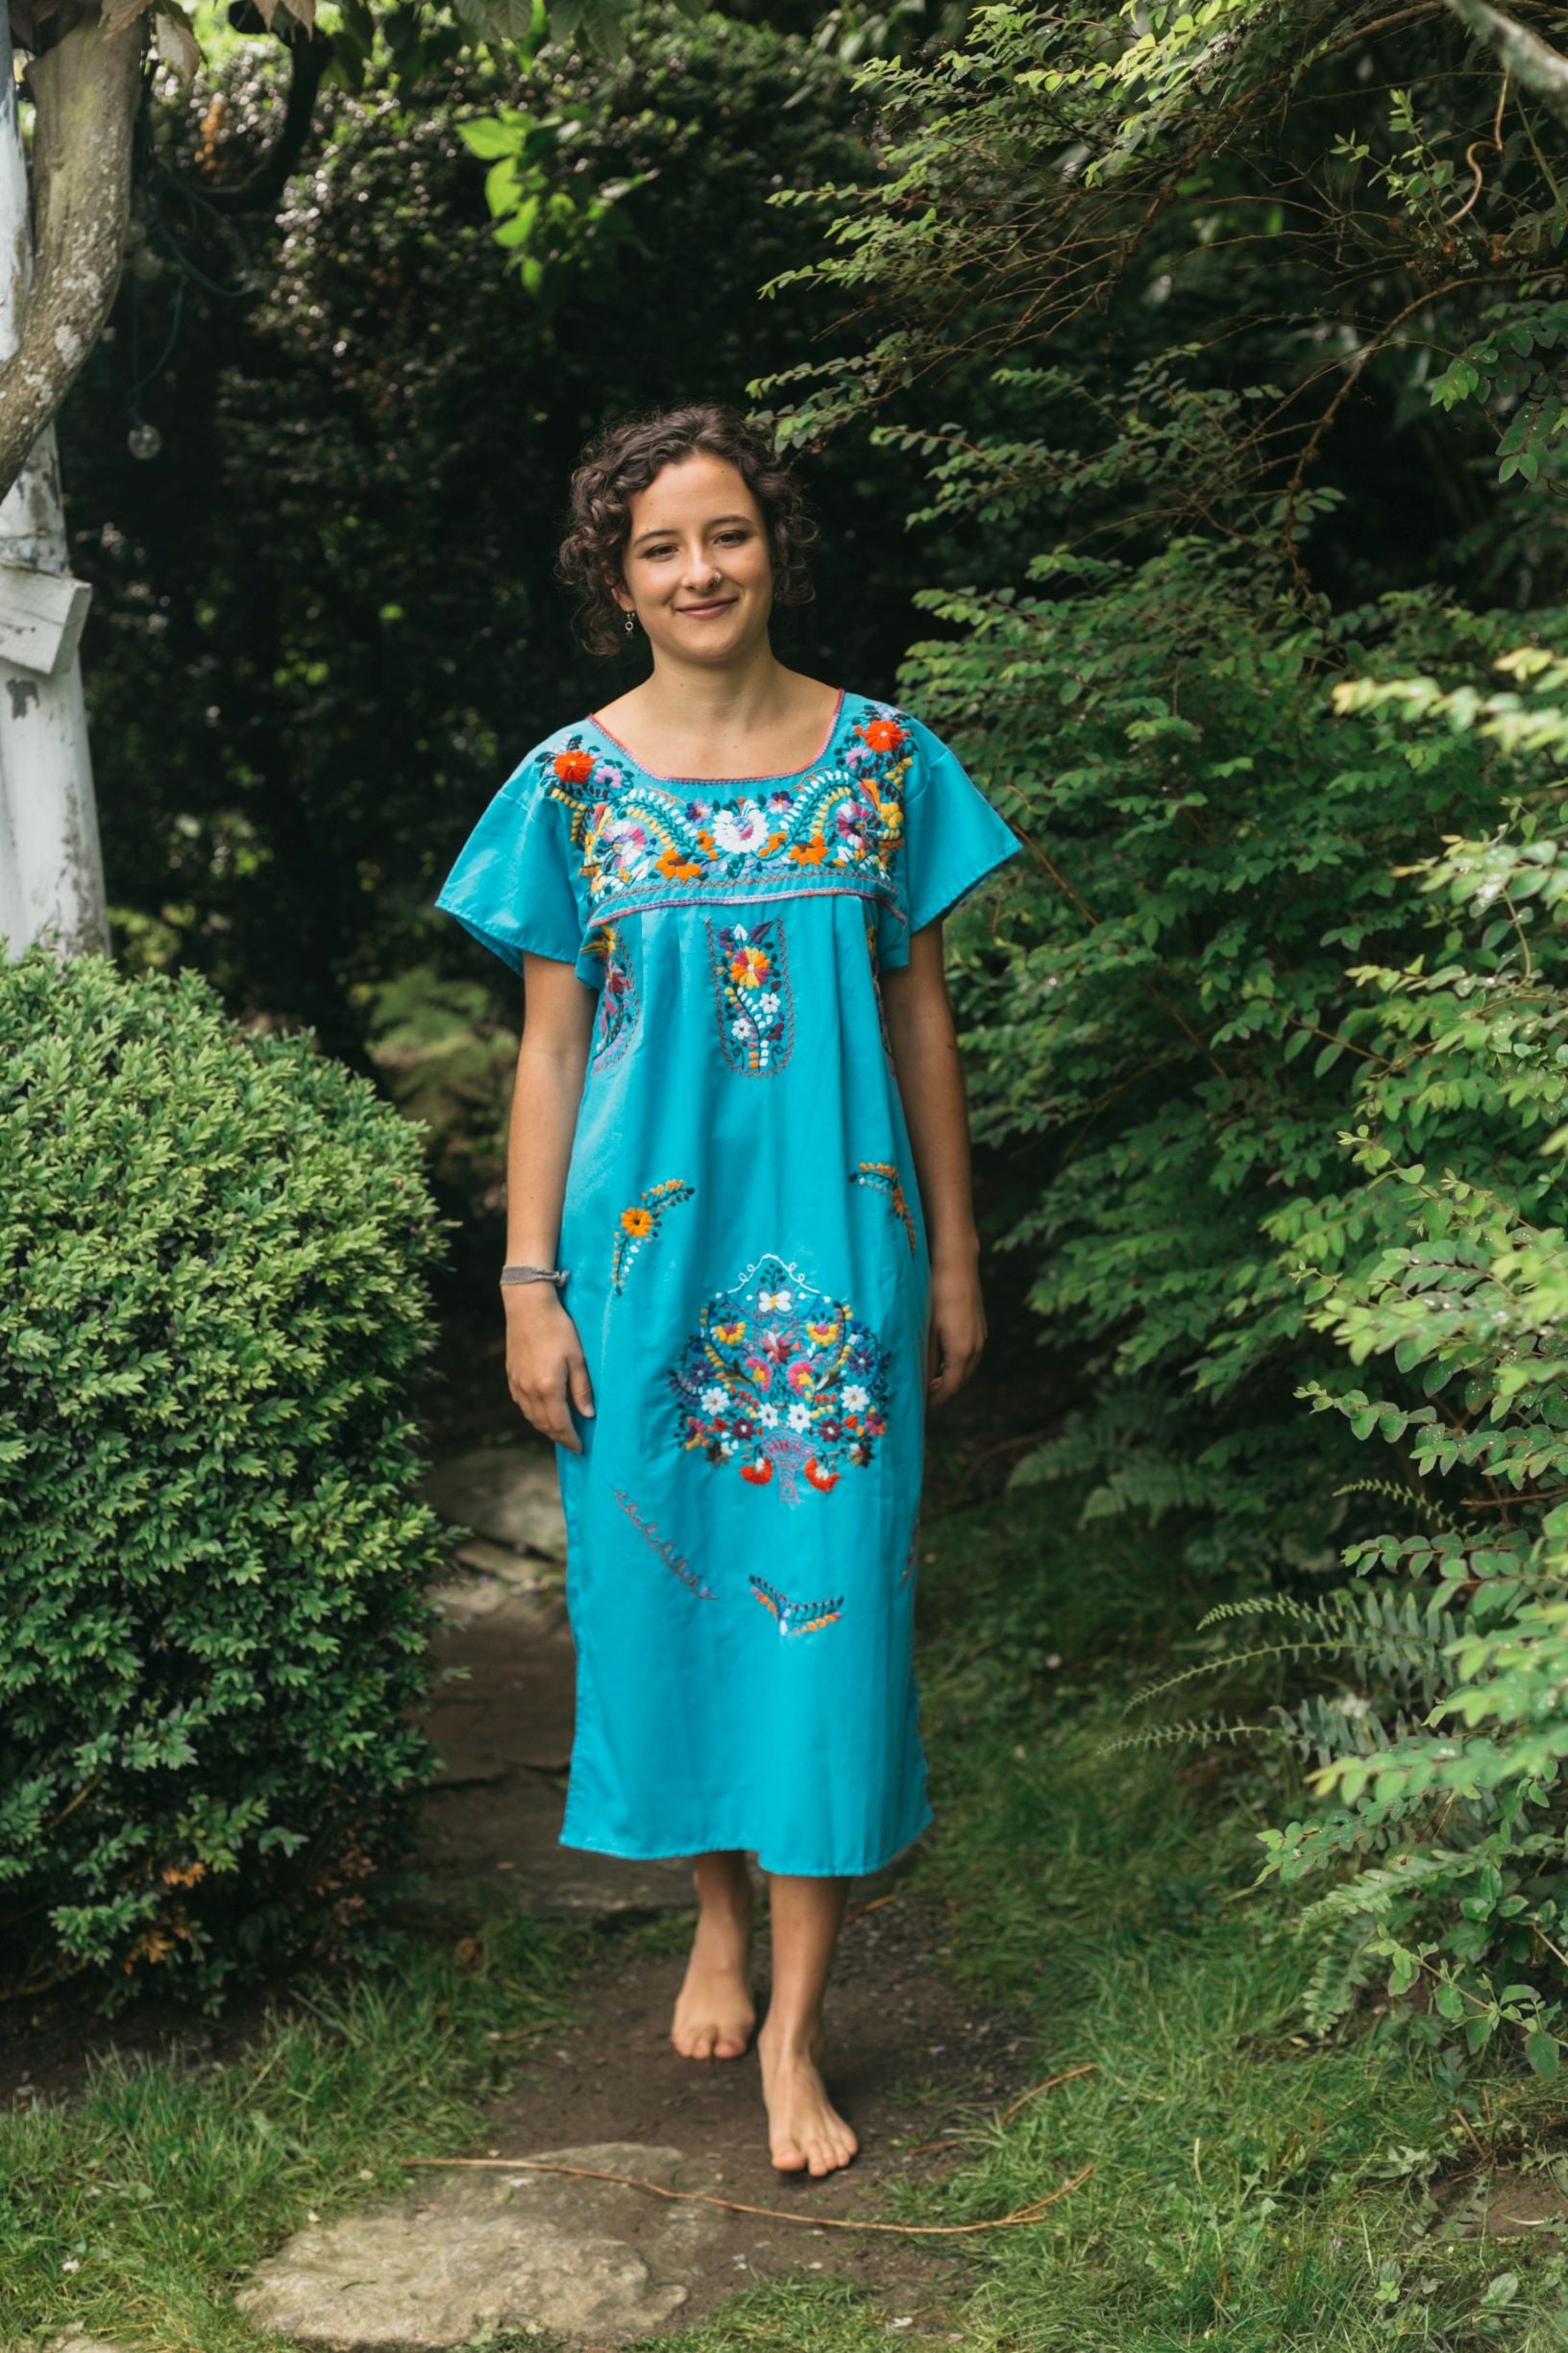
(51, 866)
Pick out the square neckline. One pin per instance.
(783, 775)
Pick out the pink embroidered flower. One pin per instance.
(759, 1371)
(800, 1377)
(776, 1345)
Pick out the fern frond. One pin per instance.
(1176, 1736)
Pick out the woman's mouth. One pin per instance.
(719, 604)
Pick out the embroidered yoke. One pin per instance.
(750, 1276)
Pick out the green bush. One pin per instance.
(1435, 1723)
(213, 1559)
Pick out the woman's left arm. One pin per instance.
(935, 1112)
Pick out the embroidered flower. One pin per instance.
(882, 734)
(773, 1302)
(854, 1396)
(676, 867)
(640, 1220)
(713, 1400)
(740, 828)
(749, 967)
(767, 1416)
(800, 1417)
(824, 1334)
(573, 767)
(801, 1378)
(775, 1345)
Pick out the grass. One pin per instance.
(1252, 2191)
(130, 2210)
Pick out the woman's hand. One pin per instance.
(955, 1328)
(545, 1370)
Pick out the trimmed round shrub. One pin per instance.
(214, 1561)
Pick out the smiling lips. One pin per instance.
(719, 604)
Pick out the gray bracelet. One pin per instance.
(535, 1274)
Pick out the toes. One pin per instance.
(789, 2160)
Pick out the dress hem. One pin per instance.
(791, 1871)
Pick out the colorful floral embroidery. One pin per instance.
(883, 1177)
(780, 1380)
(643, 842)
(795, 1617)
(752, 979)
(876, 989)
(617, 1015)
(640, 1223)
(676, 1562)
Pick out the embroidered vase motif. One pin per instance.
(782, 1381)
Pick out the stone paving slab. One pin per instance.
(509, 1493)
(466, 2251)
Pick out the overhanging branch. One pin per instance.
(1536, 68)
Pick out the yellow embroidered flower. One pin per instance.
(639, 1221)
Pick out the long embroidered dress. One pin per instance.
(747, 1273)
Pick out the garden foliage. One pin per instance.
(213, 1247)
(1229, 340)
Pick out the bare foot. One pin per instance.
(805, 2132)
(714, 2011)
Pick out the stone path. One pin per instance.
(466, 2251)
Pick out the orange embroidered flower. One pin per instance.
(637, 1221)
(759, 1473)
(809, 853)
(573, 767)
(775, 840)
(819, 1479)
(749, 967)
(706, 839)
(678, 868)
(882, 734)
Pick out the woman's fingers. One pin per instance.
(546, 1374)
(581, 1387)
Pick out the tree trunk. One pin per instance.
(51, 866)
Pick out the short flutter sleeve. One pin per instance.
(512, 885)
(953, 838)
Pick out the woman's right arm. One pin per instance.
(545, 1367)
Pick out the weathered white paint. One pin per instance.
(51, 865)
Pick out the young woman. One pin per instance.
(739, 1120)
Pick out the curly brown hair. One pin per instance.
(624, 459)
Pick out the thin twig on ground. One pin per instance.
(1032, 2213)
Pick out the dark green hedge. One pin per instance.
(212, 1561)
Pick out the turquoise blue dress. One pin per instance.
(747, 1273)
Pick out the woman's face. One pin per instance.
(696, 565)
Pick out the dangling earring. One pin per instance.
(631, 622)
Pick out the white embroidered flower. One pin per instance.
(768, 1004)
(800, 1417)
(855, 1397)
(767, 1416)
(743, 828)
(713, 1400)
(767, 1302)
